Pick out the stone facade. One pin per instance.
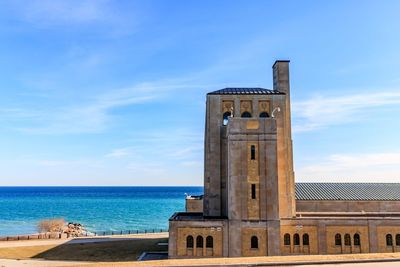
(249, 206)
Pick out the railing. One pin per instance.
(88, 234)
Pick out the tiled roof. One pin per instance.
(348, 191)
(246, 91)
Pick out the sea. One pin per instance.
(98, 209)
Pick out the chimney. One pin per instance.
(281, 76)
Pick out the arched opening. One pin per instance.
(347, 240)
(209, 242)
(254, 242)
(357, 241)
(246, 114)
(199, 241)
(389, 240)
(286, 240)
(338, 240)
(296, 239)
(397, 240)
(189, 241)
(306, 240)
(264, 115)
(225, 117)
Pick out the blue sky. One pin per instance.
(113, 92)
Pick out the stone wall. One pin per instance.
(202, 233)
(347, 206)
(261, 235)
(194, 204)
(343, 248)
(301, 247)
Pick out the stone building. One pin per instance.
(252, 205)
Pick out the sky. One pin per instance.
(113, 92)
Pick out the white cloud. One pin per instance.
(46, 11)
(89, 116)
(372, 167)
(119, 152)
(321, 111)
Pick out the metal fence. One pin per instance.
(88, 234)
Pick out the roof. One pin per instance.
(246, 91)
(348, 191)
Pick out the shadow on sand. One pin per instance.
(103, 249)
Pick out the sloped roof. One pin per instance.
(348, 191)
(246, 91)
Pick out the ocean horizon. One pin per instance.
(97, 208)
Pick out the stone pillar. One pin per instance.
(285, 153)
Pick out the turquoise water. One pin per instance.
(97, 208)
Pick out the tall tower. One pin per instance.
(225, 108)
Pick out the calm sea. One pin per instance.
(97, 208)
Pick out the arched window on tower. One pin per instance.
(296, 239)
(347, 240)
(397, 240)
(199, 241)
(264, 115)
(246, 114)
(389, 240)
(306, 240)
(357, 241)
(209, 242)
(254, 242)
(286, 240)
(225, 117)
(338, 240)
(189, 241)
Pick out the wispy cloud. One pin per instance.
(120, 152)
(56, 12)
(92, 115)
(371, 167)
(99, 16)
(323, 111)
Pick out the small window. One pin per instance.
(199, 241)
(246, 114)
(347, 240)
(253, 191)
(306, 240)
(189, 241)
(209, 242)
(389, 240)
(397, 240)
(253, 152)
(338, 240)
(296, 239)
(264, 115)
(254, 242)
(286, 240)
(357, 241)
(225, 117)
